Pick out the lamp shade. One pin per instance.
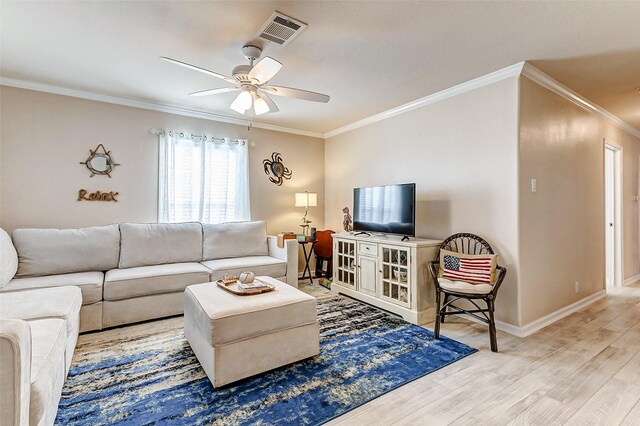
(306, 199)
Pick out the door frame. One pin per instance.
(618, 245)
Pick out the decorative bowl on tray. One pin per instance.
(244, 285)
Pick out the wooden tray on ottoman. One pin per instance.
(232, 287)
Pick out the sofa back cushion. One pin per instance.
(143, 244)
(8, 258)
(234, 239)
(63, 251)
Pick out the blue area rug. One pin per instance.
(147, 374)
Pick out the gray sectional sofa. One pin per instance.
(134, 272)
(56, 283)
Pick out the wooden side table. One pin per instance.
(307, 258)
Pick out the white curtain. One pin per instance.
(202, 179)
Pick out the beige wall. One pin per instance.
(44, 137)
(472, 157)
(562, 224)
(462, 154)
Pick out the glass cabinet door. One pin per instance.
(345, 263)
(395, 274)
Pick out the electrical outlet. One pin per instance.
(577, 287)
(534, 185)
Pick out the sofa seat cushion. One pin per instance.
(147, 280)
(90, 283)
(63, 251)
(259, 265)
(46, 303)
(223, 317)
(48, 344)
(42, 303)
(464, 287)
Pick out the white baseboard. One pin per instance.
(500, 325)
(509, 328)
(546, 320)
(631, 280)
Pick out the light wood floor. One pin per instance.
(582, 370)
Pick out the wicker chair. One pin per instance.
(468, 244)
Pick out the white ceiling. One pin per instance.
(368, 56)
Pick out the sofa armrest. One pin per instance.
(15, 372)
(288, 253)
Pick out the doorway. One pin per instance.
(613, 216)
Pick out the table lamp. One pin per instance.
(306, 199)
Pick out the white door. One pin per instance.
(368, 274)
(609, 161)
(612, 216)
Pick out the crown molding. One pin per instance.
(555, 86)
(510, 71)
(57, 90)
(521, 68)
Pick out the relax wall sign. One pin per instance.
(84, 195)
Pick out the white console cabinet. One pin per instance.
(386, 272)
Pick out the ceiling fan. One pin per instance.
(251, 81)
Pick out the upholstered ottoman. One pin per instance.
(239, 336)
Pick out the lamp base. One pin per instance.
(305, 225)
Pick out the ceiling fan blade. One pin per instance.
(214, 91)
(264, 70)
(268, 101)
(195, 68)
(289, 92)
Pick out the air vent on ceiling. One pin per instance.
(281, 28)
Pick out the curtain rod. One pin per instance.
(204, 137)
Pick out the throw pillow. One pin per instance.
(473, 269)
(8, 258)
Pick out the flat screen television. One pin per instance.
(389, 209)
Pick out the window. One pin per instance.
(202, 179)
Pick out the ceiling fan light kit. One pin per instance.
(259, 105)
(243, 102)
(251, 80)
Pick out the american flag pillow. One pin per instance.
(474, 269)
